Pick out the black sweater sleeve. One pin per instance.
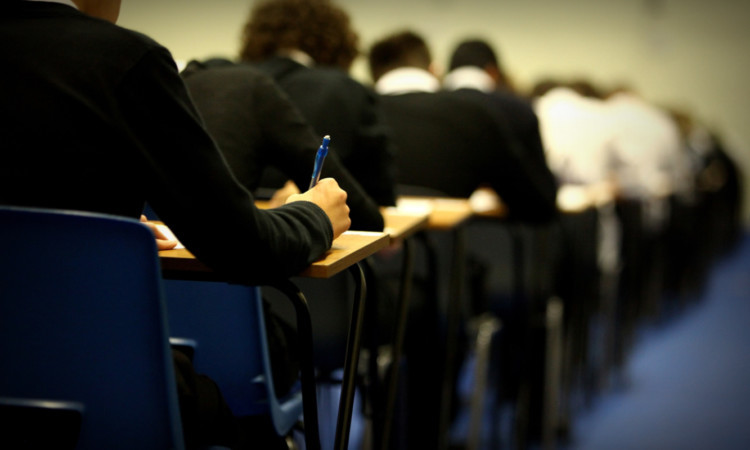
(193, 191)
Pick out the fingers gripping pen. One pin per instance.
(319, 158)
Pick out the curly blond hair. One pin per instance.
(316, 27)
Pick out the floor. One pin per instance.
(686, 384)
(688, 380)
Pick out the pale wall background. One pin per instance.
(691, 54)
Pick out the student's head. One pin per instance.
(479, 53)
(316, 27)
(403, 49)
(586, 88)
(103, 9)
(473, 53)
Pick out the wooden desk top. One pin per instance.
(444, 213)
(401, 225)
(348, 249)
(398, 224)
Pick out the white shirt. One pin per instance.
(298, 56)
(407, 79)
(577, 136)
(469, 77)
(648, 148)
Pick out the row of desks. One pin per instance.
(354, 246)
(410, 216)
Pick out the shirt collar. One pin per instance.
(297, 56)
(63, 2)
(407, 79)
(469, 77)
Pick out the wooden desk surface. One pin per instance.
(445, 213)
(401, 225)
(348, 249)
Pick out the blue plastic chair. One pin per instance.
(226, 323)
(39, 424)
(82, 320)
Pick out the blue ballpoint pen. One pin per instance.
(319, 158)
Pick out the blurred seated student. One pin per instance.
(446, 140)
(591, 140)
(650, 164)
(699, 219)
(717, 179)
(256, 126)
(308, 47)
(475, 67)
(577, 135)
(652, 171)
(104, 123)
(474, 64)
(451, 144)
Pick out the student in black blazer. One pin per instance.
(475, 68)
(99, 120)
(308, 47)
(450, 141)
(256, 126)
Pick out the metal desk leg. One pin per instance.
(307, 368)
(453, 323)
(373, 387)
(353, 344)
(407, 272)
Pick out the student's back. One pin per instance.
(442, 141)
(98, 120)
(451, 141)
(257, 128)
(336, 104)
(53, 155)
(308, 47)
(451, 144)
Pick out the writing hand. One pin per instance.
(332, 199)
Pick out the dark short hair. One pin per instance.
(473, 53)
(316, 27)
(402, 49)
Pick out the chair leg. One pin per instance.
(553, 363)
(486, 326)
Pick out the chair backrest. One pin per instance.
(82, 319)
(227, 324)
(36, 424)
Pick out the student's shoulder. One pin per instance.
(226, 70)
(462, 99)
(133, 42)
(333, 82)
